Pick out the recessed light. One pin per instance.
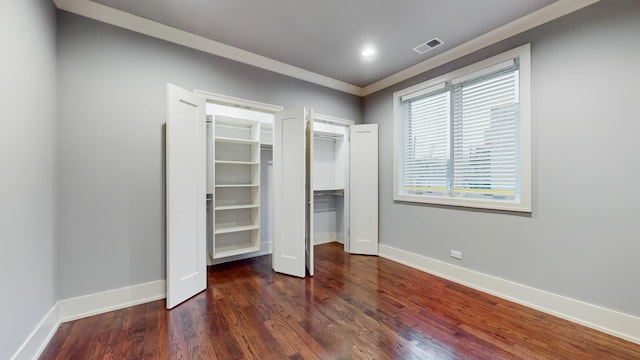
(368, 52)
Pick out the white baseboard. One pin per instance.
(84, 306)
(320, 238)
(324, 241)
(612, 322)
(36, 342)
(608, 321)
(98, 303)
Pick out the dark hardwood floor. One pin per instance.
(355, 307)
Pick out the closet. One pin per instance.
(216, 168)
(239, 152)
(325, 186)
(345, 184)
(246, 179)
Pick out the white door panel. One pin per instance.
(363, 177)
(289, 192)
(185, 195)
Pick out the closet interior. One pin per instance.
(330, 180)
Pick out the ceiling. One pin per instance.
(326, 37)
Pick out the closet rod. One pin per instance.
(328, 137)
(328, 192)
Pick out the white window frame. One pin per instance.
(523, 202)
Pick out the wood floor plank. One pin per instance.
(355, 307)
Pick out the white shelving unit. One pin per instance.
(236, 186)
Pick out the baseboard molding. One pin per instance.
(84, 306)
(608, 321)
(325, 241)
(612, 322)
(35, 343)
(325, 237)
(98, 303)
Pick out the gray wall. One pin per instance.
(111, 117)
(583, 236)
(27, 169)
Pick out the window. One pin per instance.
(464, 138)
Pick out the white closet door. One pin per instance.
(289, 192)
(186, 195)
(309, 239)
(363, 175)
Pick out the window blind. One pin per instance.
(461, 138)
(485, 133)
(427, 143)
(464, 138)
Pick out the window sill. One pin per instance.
(489, 204)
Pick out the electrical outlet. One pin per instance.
(456, 254)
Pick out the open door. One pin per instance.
(289, 170)
(363, 177)
(185, 195)
(309, 240)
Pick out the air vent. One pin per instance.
(424, 47)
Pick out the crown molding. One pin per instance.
(527, 22)
(154, 29)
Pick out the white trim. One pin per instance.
(332, 120)
(609, 321)
(527, 22)
(141, 25)
(37, 341)
(328, 240)
(85, 306)
(239, 102)
(102, 302)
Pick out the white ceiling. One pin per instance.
(326, 37)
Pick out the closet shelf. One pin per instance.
(229, 162)
(236, 207)
(328, 192)
(231, 250)
(328, 136)
(231, 228)
(236, 141)
(236, 185)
